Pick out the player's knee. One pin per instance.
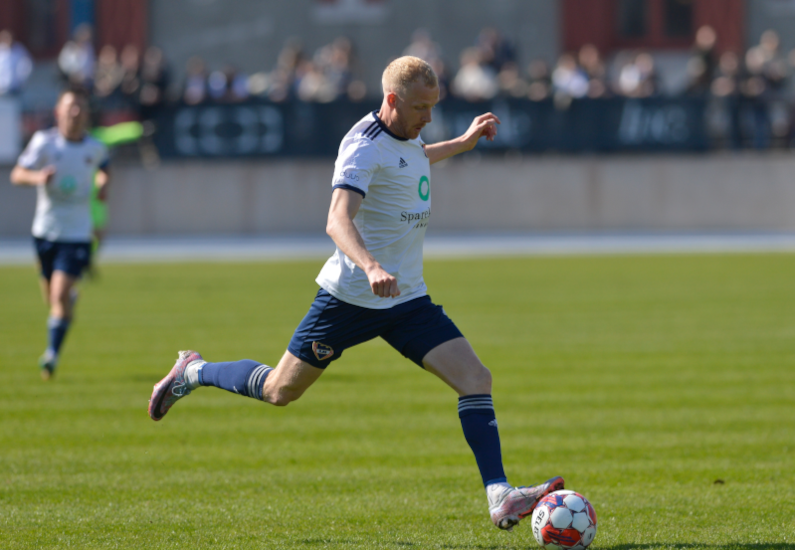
(281, 397)
(482, 380)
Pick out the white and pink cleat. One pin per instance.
(173, 387)
(509, 506)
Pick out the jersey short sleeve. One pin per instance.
(356, 163)
(104, 156)
(34, 156)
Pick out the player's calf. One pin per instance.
(244, 377)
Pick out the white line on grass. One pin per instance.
(260, 248)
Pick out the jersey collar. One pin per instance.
(385, 129)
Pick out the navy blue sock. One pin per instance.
(480, 430)
(244, 377)
(56, 332)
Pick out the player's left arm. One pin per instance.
(101, 180)
(482, 126)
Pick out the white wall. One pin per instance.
(745, 192)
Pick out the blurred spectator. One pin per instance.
(726, 89)
(755, 90)
(154, 78)
(335, 62)
(424, 47)
(776, 72)
(329, 75)
(440, 69)
(638, 77)
(791, 66)
(539, 84)
(595, 70)
(474, 80)
(228, 85)
(15, 64)
(701, 65)
(194, 90)
(109, 72)
(130, 86)
(727, 76)
(312, 85)
(281, 81)
(77, 60)
(495, 49)
(511, 82)
(569, 81)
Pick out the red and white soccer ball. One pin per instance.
(564, 520)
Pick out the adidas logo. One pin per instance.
(493, 423)
(402, 163)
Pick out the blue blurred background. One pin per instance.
(618, 115)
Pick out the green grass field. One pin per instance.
(643, 380)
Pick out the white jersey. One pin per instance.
(393, 175)
(63, 210)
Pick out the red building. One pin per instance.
(613, 25)
(44, 25)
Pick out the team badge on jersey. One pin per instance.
(68, 184)
(322, 351)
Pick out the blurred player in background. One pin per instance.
(62, 163)
(373, 285)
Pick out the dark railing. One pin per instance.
(263, 129)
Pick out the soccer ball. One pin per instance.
(564, 520)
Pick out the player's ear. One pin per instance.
(391, 99)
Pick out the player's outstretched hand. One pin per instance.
(382, 283)
(484, 125)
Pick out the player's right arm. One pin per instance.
(26, 176)
(340, 227)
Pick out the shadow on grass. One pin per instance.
(650, 546)
(685, 546)
(315, 542)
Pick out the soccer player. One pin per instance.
(373, 285)
(61, 163)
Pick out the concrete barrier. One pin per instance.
(721, 192)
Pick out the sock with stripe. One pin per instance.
(244, 377)
(56, 332)
(480, 430)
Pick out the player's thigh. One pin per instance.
(46, 252)
(457, 364)
(289, 380)
(61, 284)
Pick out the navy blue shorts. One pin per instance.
(331, 326)
(70, 257)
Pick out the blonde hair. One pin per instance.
(406, 70)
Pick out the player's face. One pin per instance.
(414, 109)
(71, 115)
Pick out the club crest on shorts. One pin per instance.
(322, 351)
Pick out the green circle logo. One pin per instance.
(68, 184)
(426, 194)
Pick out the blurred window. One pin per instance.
(633, 17)
(613, 25)
(45, 26)
(678, 16)
(653, 23)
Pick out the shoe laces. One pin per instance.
(180, 388)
